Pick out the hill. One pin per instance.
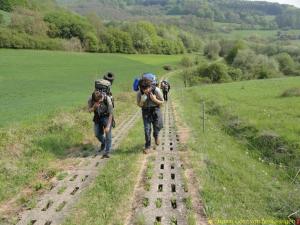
(249, 14)
(35, 25)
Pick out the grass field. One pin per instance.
(35, 83)
(241, 34)
(236, 182)
(260, 103)
(248, 33)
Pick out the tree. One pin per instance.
(245, 60)
(122, 41)
(90, 42)
(6, 5)
(212, 50)
(1, 19)
(186, 61)
(67, 25)
(286, 63)
(191, 43)
(216, 72)
(143, 35)
(235, 73)
(238, 45)
(265, 67)
(95, 21)
(28, 21)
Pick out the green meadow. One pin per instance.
(36, 83)
(260, 104)
(242, 34)
(238, 180)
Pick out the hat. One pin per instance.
(109, 76)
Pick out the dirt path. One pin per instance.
(162, 194)
(55, 205)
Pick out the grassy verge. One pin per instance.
(31, 155)
(108, 200)
(235, 183)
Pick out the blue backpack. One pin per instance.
(148, 76)
(135, 85)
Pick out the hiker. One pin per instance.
(101, 105)
(165, 86)
(150, 98)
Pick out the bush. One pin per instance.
(1, 19)
(235, 73)
(12, 39)
(286, 63)
(6, 5)
(186, 61)
(292, 92)
(216, 72)
(117, 41)
(245, 60)
(272, 146)
(73, 45)
(66, 25)
(90, 42)
(27, 21)
(230, 48)
(266, 68)
(212, 50)
(187, 76)
(167, 67)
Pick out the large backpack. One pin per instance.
(103, 86)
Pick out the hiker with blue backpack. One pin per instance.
(150, 99)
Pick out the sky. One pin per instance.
(290, 2)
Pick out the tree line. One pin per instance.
(248, 14)
(61, 29)
(234, 60)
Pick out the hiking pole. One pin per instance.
(203, 116)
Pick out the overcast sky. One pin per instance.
(290, 2)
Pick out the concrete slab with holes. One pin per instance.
(166, 195)
(53, 206)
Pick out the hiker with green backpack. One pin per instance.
(150, 99)
(101, 104)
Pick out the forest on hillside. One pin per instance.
(249, 14)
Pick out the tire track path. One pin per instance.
(55, 205)
(163, 203)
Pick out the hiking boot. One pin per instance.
(146, 151)
(157, 141)
(105, 156)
